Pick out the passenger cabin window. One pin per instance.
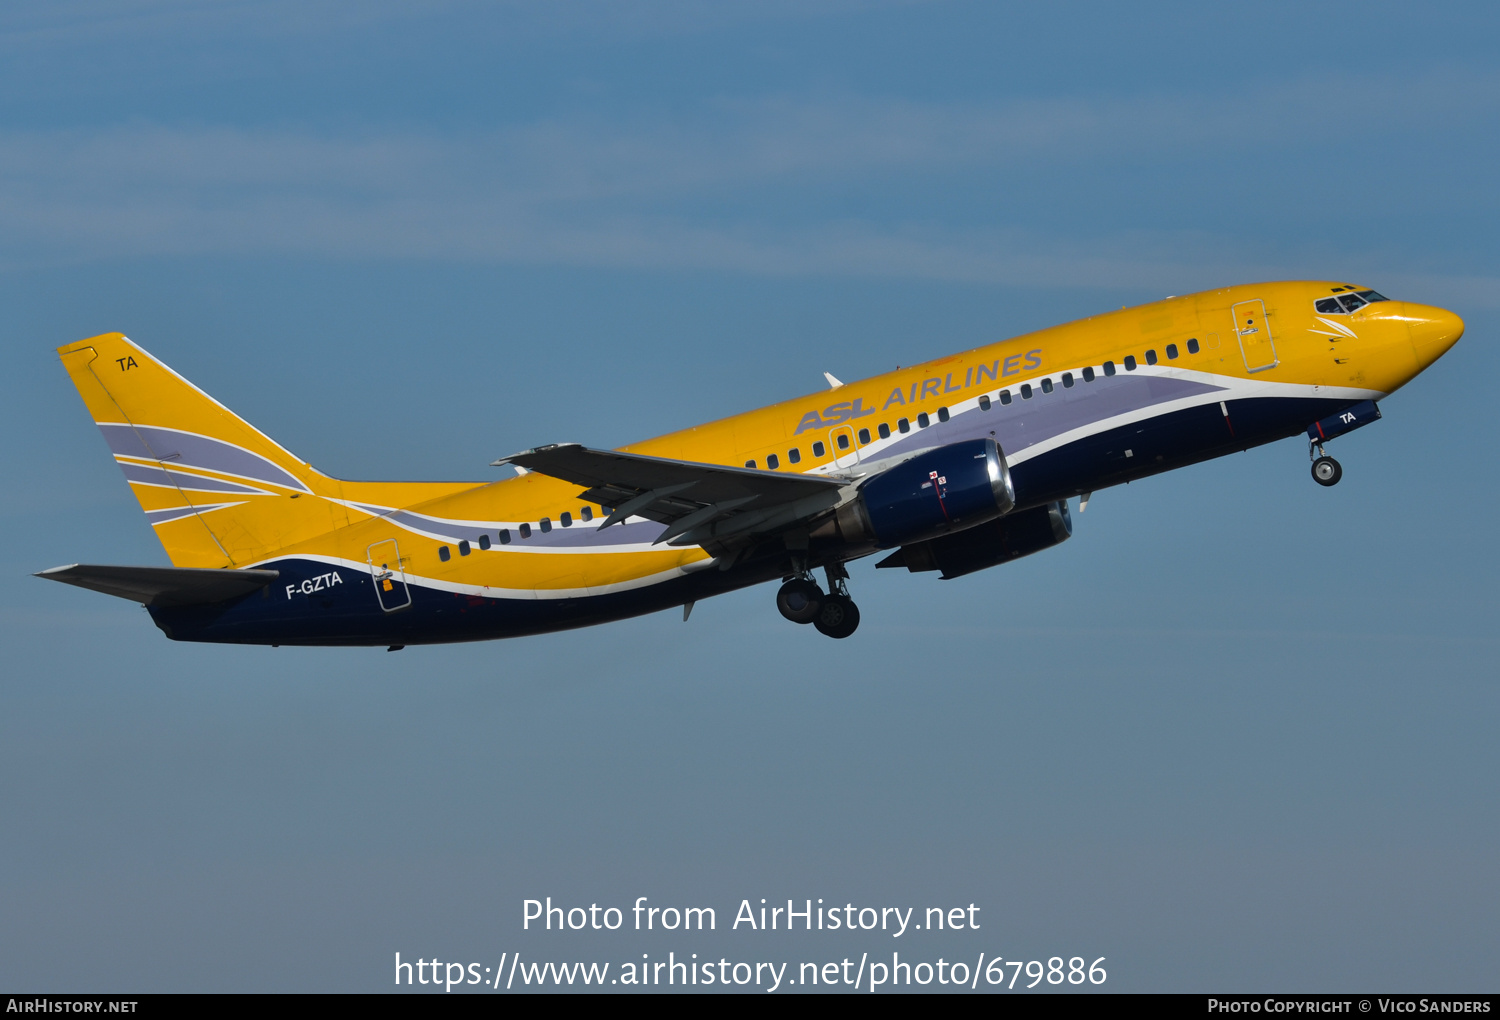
(1193, 346)
(1005, 396)
(1109, 368)
(546, 523)
(864, 436)
(884, 430)
(463, 547)
(505, 536)
(1130, 362)
(1067, 380)
(984, 401)
(443, 553)
(750, 463)
(1046, 385)
(524, 529)
(773, 462)
(1151, 357)
(1026, 391)
(566, 520)
(794, 455)
(587, 513)
(942, 414)
(819, 449)
(843, 440)
(923, 421)
(1171, 352)
(903, 425)
(1088, 373)
(484, 541)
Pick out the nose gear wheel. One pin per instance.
(1327, 471)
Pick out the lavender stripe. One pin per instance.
(150, 474)
(579, 536)
(1020, 424)
(191, 450)
(170, 514)
(1024, 423)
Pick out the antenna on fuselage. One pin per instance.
(833, 383)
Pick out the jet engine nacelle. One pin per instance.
(934, 493)
(988, 544)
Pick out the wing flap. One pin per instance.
(611, 478)
(613, 470)
(696, 501)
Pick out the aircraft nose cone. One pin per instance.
(1433, 331)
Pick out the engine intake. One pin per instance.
(989, 544)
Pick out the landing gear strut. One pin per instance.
(839, 616)
(802, 601)
(1325, 470)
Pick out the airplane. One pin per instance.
(952, 466)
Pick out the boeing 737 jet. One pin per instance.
(955, 466)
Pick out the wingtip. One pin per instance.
(535, 449)
(518, 469)
(54, 570)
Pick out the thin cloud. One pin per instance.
(713, 191)
(67, 23)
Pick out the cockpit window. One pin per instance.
(1346, 303)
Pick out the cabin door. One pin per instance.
(390, 580)
(1254, 331)
(845, 449)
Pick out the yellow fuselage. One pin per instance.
(1073, 408)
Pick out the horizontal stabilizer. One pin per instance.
(163, 586)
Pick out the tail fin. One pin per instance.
(218, 492)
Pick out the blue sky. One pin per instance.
(1237, 733)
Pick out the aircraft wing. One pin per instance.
(696, 501)
(163, 586)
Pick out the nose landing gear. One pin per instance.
(834, 614)
(1325, 470)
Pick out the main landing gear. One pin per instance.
(802, 601)
(1325, 470)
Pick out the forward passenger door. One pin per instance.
(1254, 331)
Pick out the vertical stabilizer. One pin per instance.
(218, 492)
